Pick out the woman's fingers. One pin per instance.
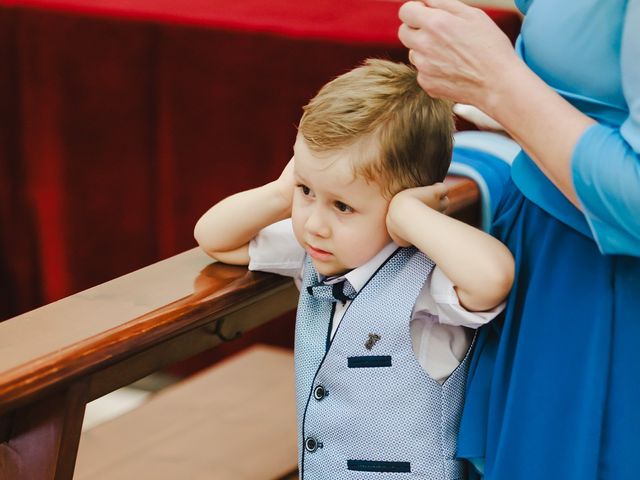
(412, 55)
(408, 36)
(423, 27)
(455, 7)
(457, 49)
(411, 14)
(416, 59)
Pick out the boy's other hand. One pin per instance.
(400, 215)
(434, 196)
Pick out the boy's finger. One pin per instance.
(432, 195)
(440, 189)
(444, 203)
(437, 190)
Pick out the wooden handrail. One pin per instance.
(55, 359)
(107, 324)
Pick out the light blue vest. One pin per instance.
(365, 405)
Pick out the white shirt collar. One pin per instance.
(361, 275)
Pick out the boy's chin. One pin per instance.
(330, 270)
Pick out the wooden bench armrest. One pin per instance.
(97, 329)
(55, 359)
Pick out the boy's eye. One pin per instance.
(305, 190)
(343, 207)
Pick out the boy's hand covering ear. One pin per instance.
(286, 183)
(399, 213)
(434, 196)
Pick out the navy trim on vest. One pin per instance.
(378, 466)
(369, 361)
(328, 341)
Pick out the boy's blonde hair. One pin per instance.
(403, 137)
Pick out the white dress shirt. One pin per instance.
(438, 324)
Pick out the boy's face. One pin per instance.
(339, 220)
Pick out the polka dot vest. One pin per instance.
(366, 409)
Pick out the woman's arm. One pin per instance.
(606, 161)
(225, 230)
(461, 55)
(480, 267)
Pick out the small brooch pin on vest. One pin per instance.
(371, 341)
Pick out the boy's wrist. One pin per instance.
(402, 215)
(280, 197)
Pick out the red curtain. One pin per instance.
(123, 121)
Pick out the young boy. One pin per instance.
(381, 348)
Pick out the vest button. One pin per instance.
(319, 392)
(310, 444)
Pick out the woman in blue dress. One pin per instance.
(554, 387)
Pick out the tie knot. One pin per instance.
(341, 291)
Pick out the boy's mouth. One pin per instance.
(318, 254)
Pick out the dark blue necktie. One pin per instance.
(341, 291)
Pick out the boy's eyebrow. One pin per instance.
(297, 176)
(334, 195)
(337, 196)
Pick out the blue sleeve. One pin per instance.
(606, 160)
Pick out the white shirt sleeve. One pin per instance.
(276, 250)
(442, 301)
(438, 335)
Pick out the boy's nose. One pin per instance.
(316, 224)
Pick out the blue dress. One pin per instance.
(554, 383)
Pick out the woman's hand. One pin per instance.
(460, 53)
(402, 209)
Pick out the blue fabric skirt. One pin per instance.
(554, 383)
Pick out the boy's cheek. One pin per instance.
(298, 226)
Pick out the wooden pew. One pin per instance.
(55, 359)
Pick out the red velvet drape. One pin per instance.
(123, 120)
